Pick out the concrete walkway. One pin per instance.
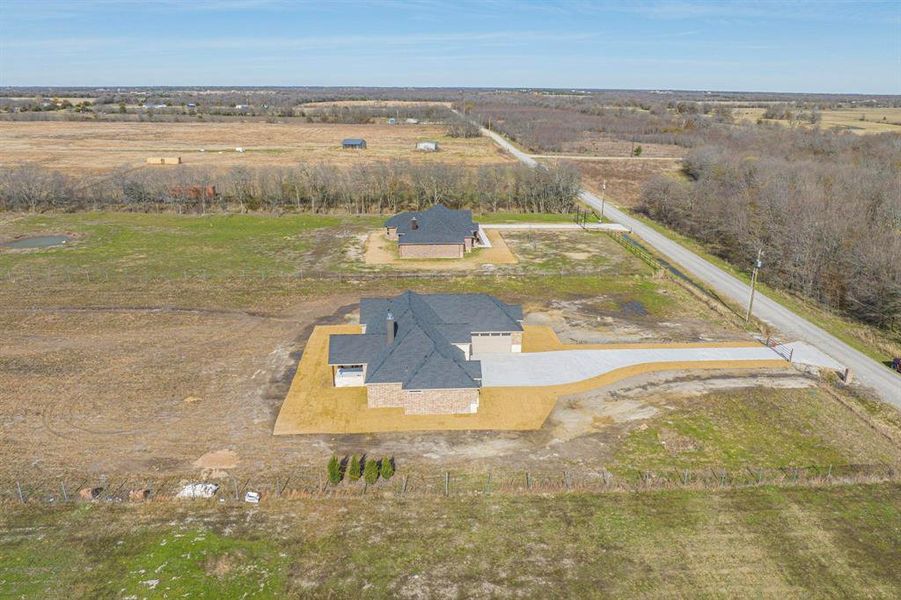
(569, 366)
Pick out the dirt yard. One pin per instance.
(78, 147)
(379, 250)
(160, 391)
(315, 405)
(157, 370)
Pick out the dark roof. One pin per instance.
(423, 355)
(437, 225)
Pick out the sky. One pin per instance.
(765, 45)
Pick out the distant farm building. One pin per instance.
(354, 144)
(411, 121)
(392, 121)
(164, 160)
(427, 146)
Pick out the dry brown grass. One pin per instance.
(79, 147)
(624, 177)
(877, 120)
(596, 144)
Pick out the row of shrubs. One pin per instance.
(354, 468)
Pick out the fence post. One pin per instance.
(446, 483)
(488, 484)
(528, 481)
(19, 488)
(403, 492)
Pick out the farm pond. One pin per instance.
(38, 241)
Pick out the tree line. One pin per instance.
(824, 208)
(383, 187)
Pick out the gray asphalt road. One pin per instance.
(865, 370)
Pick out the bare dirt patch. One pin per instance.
(379, 250)
(217, 459)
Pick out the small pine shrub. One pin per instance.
(371, 472)
(387, 468)
(354, 471)
(334, 471)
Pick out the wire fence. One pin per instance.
(80, 276)
(309, 483)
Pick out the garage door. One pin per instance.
(485, 343)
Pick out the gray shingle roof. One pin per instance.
(423, 355)
(437, 225)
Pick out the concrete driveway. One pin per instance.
(866, 370)
(569, 366)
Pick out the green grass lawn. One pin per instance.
(842, 541)
(759, 427)
(119, 245)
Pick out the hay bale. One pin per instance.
(139, 495)
(90, 494)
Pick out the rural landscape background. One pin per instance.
(154, 313)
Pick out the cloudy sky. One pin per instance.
(807, 46)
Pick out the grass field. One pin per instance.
(154, 340)
(838, 541)
(85, 147)
(216, 309)
(768, 427)
(875, 120)
(124, 245)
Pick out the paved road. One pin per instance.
(590, 157)
(864, 369)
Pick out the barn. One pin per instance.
(354, 143)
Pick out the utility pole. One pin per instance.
(603, 197)
(757, 264)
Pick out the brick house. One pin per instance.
(438, 232)
(416, 350)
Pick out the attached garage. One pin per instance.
(483, 343)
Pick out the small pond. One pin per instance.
(38, 241)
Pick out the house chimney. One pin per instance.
(414, 224)
(390, 326)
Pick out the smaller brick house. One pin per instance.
(438, 232)
(416, 350)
